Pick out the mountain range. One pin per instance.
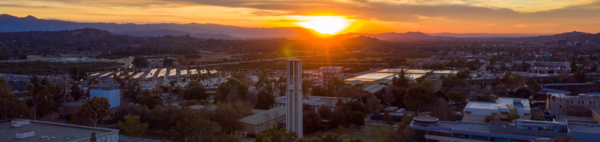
(30, 23)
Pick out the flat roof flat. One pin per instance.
(260, 116)
(486, 108)
(58, 130)
(569, 84)
(578, 119)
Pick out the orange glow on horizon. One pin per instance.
(324, 25)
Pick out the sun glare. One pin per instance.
(324, 24)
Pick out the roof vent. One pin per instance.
(27, 134)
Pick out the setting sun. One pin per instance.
(324, 24)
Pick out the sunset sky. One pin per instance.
(364, 16)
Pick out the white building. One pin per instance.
(477, 111)
(561, 103)
(112, 93)
(294, 96)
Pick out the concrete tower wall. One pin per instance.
(294, 96)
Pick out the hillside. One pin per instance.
(30, 23)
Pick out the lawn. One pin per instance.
(368, 133)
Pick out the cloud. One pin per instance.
(22, 6)
(422, 13)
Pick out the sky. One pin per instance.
(362, 16)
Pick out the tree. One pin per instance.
(512, 114)
(181, 59)
(167, 62)
(463, 74)
(274, 135)
(490, 118)
(130, 87)
(523, 93)
(387, 118)
(150, 100)
(265, 100)
(227, 115)
(132, 126)
(330, 137)
(39, 98)
(374, 105)
(140, 62)
(94, 81)
(310, 121)
(457, 97)
(401, 80)
(76, 93)
(191, 127)
(231, 91)
(10, 106)
(533, 85)
(417, 99)
(195, 91)
(579, 77)
(78, 73)
(358, 119)
(93, 138)
(442, 110)
(91, 112)
(403, 133)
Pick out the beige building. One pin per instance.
(560, 103)
(261, 120)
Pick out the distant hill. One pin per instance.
(393, 36)
(158, 33)
(30, 23)
(570, 36)
(480, 35)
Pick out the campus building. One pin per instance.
(329, 73)
(112, 93)
(576, 88)
(561, 103)
(430, 129)
(22, 130)
(261, 120)
(315, 102)
(476, 111)
(294, 96)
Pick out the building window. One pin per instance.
(468, 112)
(526, 114)
(461, 136)
(498, 139)
(474, 137)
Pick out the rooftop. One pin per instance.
(374, 88)
(60, 132)
(486, 108)
(260, 116)
(330, 68)
(104, 87)
(576, 119)
(199, 107)
(569, 84)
